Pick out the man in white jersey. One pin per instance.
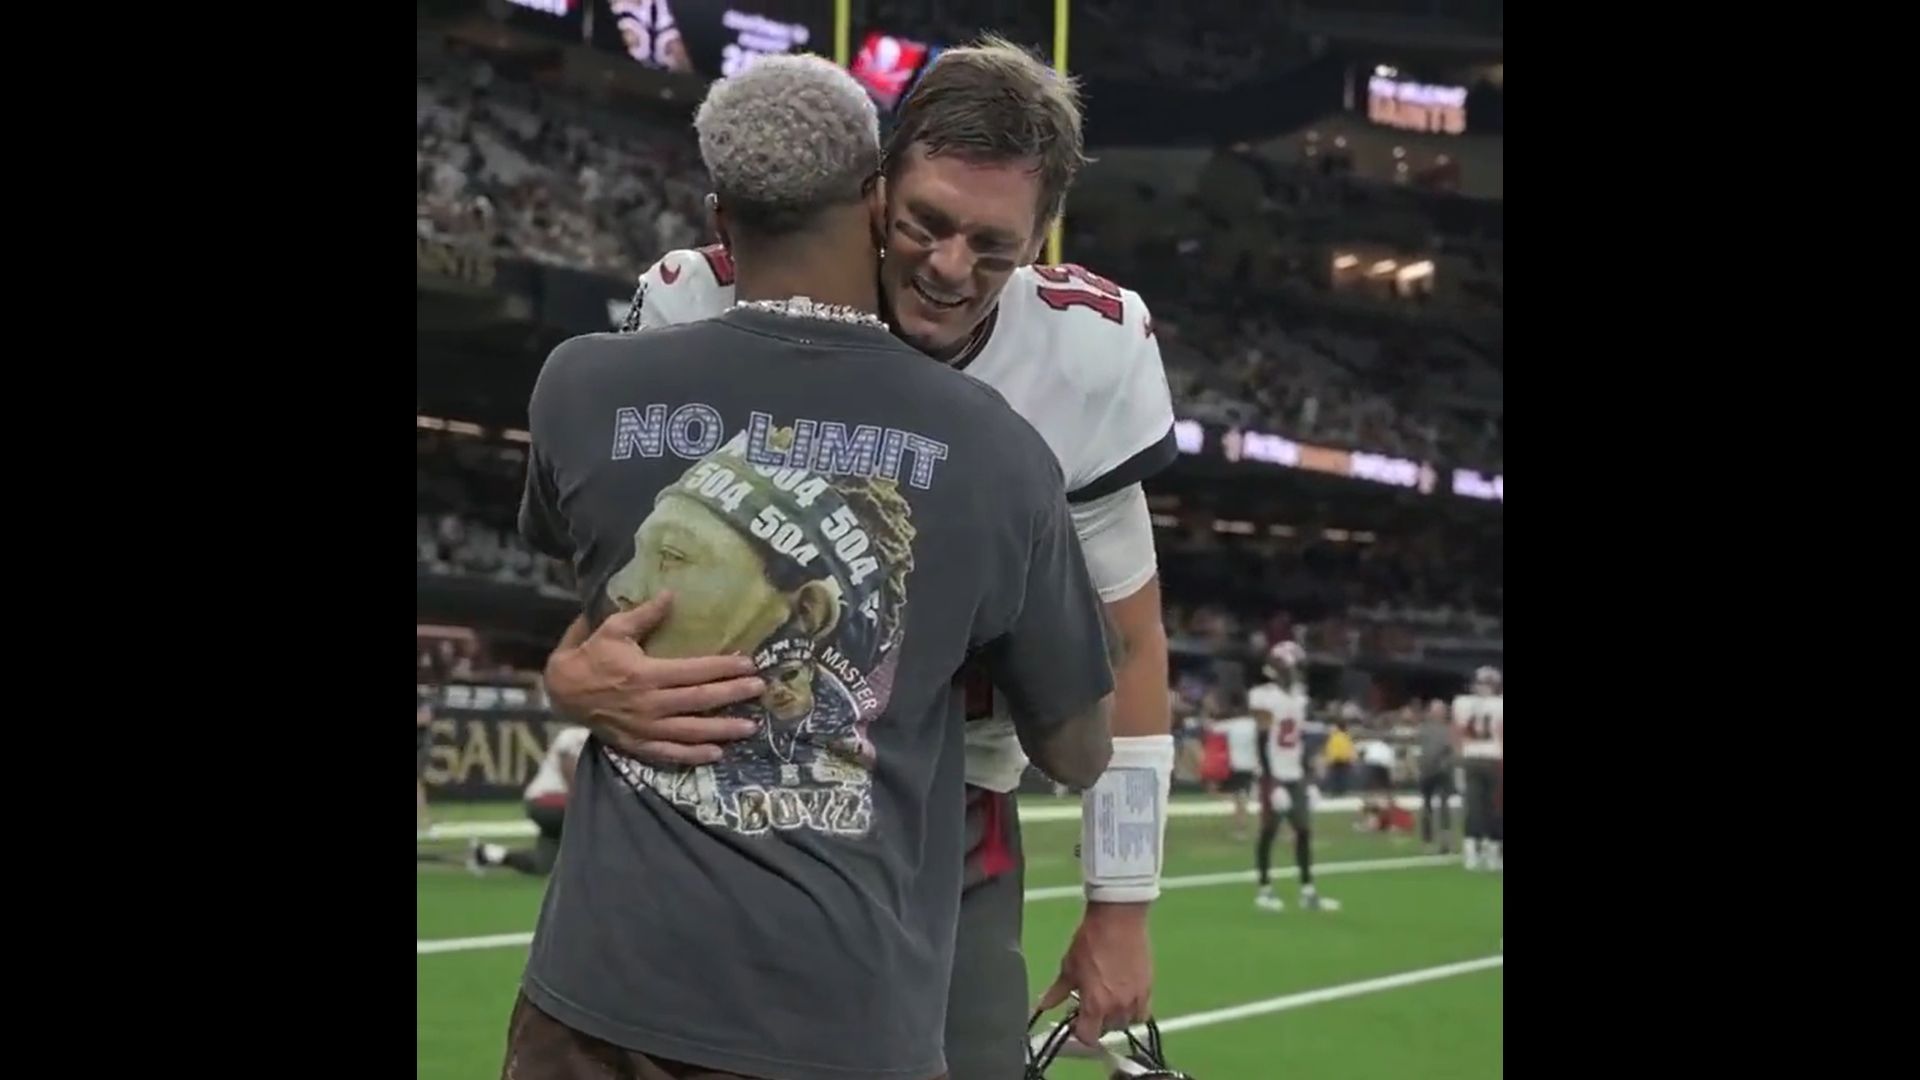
(977, 168)
(546, 800)
(1280, 706)
(1479, 729)
(1231, 719)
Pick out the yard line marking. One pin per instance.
(1048, 811)
(1235, 877)
(1117, 1040)
(1049, 892)
(489, 941)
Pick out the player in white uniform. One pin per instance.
(1479, 727)
(546, 800)
(976, 169)
(1242, 733)
(1280, 705)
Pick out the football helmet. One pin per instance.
(1487, 680)
(1144, 1058)
(1284, 657)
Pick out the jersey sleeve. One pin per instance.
(1116, 534)
(682, 286)
(1040, 634)
(1132, 430)
(1261, 698)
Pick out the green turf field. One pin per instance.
(1213, 951)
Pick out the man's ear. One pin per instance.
(1038, 247)
(816, 608)
(877, 209)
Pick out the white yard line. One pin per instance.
(1031, 811)
(1050, 892)
(1170, 1026)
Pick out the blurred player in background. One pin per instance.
(977, 168)
(1378, 811)
(1214, 763)
(546, 802)
(422, 720)
(1479, 726)
(1436, 775)
(1242, 734)
(1338, 753)
(1280, 707)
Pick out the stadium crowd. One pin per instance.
(502, 166)
(1206, 44)
(1340, 594)
(505, 167)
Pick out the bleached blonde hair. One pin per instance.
(786, 139)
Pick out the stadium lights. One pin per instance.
(1165, 521)
(1384, 266)
(1346, 262)
(462, 427)
(430, 423)
(1415, 271)
(1338, 536)
(516, 435)
(1238, 528)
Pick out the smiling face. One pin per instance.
(956, 230)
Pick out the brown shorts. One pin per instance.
(542, 1048)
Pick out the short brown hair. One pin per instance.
(994, 101)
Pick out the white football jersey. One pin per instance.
(1289, 711)
(552, 778)
(1073, 353)
(1481, 719)
(1243, 737)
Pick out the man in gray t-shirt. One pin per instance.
(860, 521)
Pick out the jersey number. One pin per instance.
(1104, 296)
(1480, 728)
(1287, 734)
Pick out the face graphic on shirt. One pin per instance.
(806, 573)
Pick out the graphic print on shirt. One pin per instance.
(804, 569)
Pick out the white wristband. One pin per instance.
(1123, 821)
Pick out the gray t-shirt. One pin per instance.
(859, 519)
(1436, 747)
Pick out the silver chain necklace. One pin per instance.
(801, 307)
